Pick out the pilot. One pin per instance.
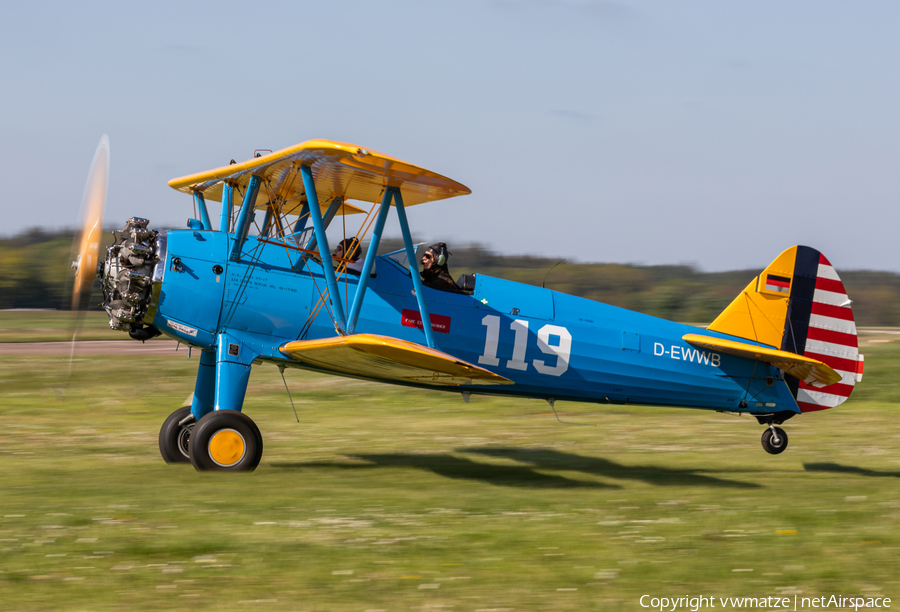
(349, 251)
(435, 273)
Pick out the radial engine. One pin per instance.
(128, 275)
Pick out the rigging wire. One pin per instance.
(281, 369)
(315, 311)
(322, 295)
(255, 254)
(752, 322)
(552, 403)
(276, 217)
(286, 188)
(750, 382)
(791, 327)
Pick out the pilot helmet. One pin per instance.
(439, 252)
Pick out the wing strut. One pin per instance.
(326, 220)
(347, 326)
(315, 214)
(227, 199)
(245, 218)
(204, 213)
(413, 267)
(370, 258)
(302, 219)
(344, 325)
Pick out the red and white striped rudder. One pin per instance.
(830, 334)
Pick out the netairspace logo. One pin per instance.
(694, 604)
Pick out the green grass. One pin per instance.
(385, 498)
(54, 326)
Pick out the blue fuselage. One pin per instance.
(552, 345)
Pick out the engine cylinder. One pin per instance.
(127, 274)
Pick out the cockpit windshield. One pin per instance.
(301, 239)
(401, 257)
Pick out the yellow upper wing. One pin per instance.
(385, 358)
(811, 371)
(340, 170)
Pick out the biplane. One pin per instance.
(263, 287)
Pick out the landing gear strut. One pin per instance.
(225, 440)
(774, 440)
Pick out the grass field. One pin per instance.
(385, 498)
(54, 326)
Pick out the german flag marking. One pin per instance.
(779, 284)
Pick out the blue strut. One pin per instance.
(315, 214)
(413, 267)
(242, 226)
(302, 219)
(233, 359)
(205, 389)
(370, 259)
(227, 202)
(267, 221)
(201, 206)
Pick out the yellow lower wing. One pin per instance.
(390, 359)
(810, 371)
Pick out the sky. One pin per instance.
(708, 133)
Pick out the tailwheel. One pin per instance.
(174, 437)
(774, 440)
(226, 440)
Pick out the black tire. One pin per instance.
(226, 440)
(173, 440)
(771, 447)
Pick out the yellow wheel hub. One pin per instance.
(227, 447)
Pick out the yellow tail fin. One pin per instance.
(798, 305)
(759, 312)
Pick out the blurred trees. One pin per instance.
(35, 269)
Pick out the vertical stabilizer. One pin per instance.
(798, 304)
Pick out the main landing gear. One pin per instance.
(174, 436)
(223, 440)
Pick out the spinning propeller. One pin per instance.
(86, 247)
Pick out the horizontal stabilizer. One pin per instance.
(811, 371)
(385, 358)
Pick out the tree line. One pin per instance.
(35, 272)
